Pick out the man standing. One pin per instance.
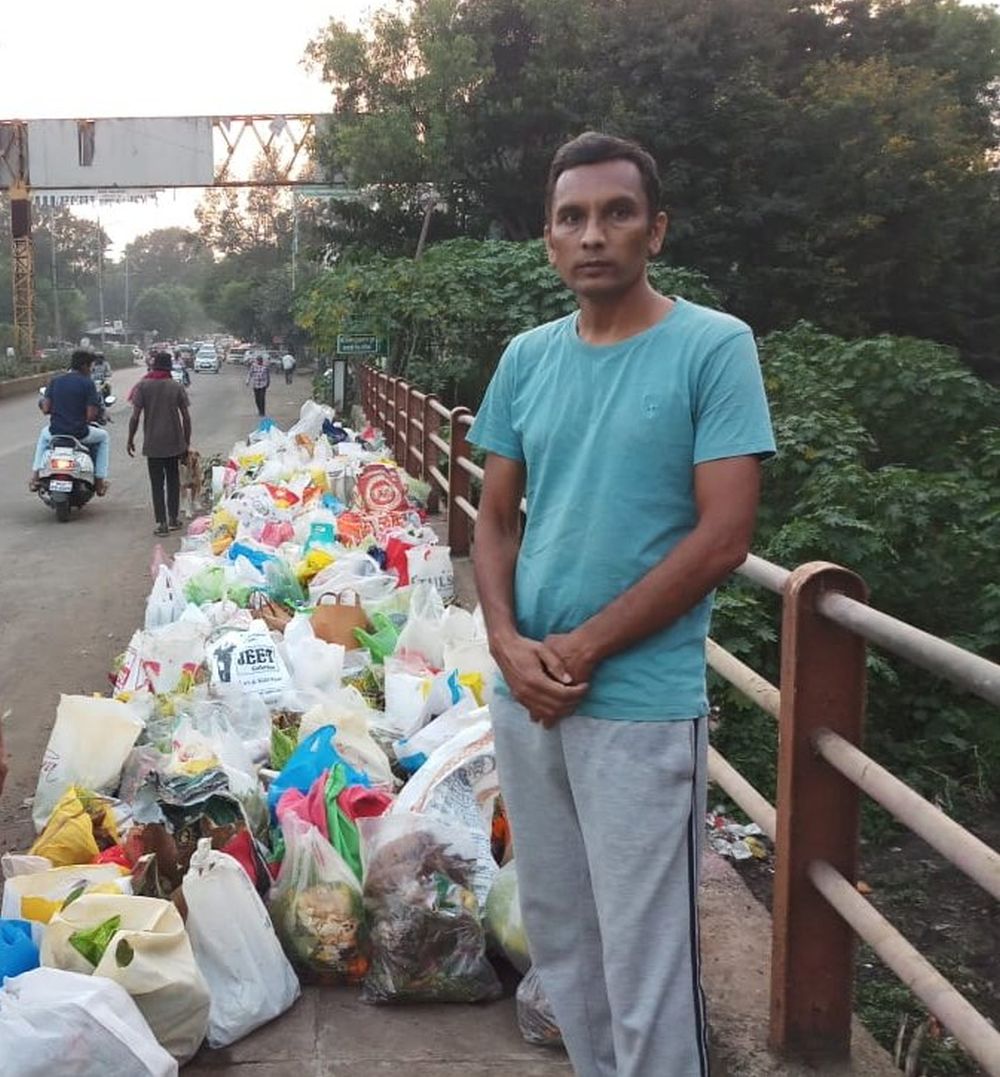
(72, 403)
(288, 366)
(162, 403)
(259, 378)
(636, 427)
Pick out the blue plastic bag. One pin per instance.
(314, 755)
(256, 556)
(18, 952)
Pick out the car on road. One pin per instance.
(207, 360)
(238, 353)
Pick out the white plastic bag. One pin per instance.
(157, 660)
(165, 602)
(467, 647)
(353, 571)
(352, 718)
(406, 687)
(248, 975)
(55, 1022)
(413, 751)
(38, 895)
(149, 955)
(422, 635)
(89, 744)
(249, 661)
(314, 663)
(311, 419)
(432, 564)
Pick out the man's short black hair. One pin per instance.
(81, 359)
(591, 148)
(163, 360)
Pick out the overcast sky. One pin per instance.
(92, 58)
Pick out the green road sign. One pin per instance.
(360, 344)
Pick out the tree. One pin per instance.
(169, 309)
(168, 256)
(236, 308)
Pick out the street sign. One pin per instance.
(360, 344)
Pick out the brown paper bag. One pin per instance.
(264, 608)
(336, 620)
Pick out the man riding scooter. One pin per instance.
(72, 403)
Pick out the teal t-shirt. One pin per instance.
(609, 436)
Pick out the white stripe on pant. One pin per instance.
(607, 819)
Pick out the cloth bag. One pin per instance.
(55, 1022)
(250, 979)
(149, 955)
(336, 621)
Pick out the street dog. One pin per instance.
(191, 478)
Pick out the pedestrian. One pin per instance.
(288, 366)
(73, 404)
(162, 404)
(641, 500)
(259, 378)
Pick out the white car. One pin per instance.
(207, 360)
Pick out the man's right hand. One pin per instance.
(130, 448)
(537, 679)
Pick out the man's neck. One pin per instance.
(618, 318)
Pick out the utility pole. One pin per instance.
(55, 281)
(100, 277)
(125, 256)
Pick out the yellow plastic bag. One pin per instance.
(68, 837)
(40, 896)
(313, 562)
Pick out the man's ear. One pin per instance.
(657, 233)
(547, 233)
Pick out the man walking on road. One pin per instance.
(72, 404)
(288, 366)
(641, 499)
(259, 378)
(162, 403)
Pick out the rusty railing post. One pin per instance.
(413, 435)
(399, 406)
(822, 685)
(459, 525)
(432, 425)
(390, 412)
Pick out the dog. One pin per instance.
(191, 482)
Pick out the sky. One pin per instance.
(92, 58)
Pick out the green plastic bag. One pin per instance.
(206, 586)
(283, 744)
(92, 942)
(344, 835)
(382, 641)
(282, 585)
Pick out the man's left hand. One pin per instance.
(577, 655)
(130, 448)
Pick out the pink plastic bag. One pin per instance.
(357, 802)
(309, 807)
(275, 534)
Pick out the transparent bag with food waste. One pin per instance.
(317, 906)
(423, 633)
(503, 918)
(535, 1019)
(149, 955)
(49, 1017)
(427, 938)
(235, 945)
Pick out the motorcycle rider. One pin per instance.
(101, 370)
(72, 403)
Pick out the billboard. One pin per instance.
(138, 152)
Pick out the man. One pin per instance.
(72, 403)
(259, 378)
(101, 369)
(162, 403)
(288, 366)
(636, 426)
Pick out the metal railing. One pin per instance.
(817, 911)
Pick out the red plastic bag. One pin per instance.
(114, 854)
(357, 802)
(395, 559)
(310, 807)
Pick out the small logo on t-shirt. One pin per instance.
(650, 405)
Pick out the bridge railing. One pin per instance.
(827, 625)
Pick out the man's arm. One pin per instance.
(726, 494)
(186, 423)
(133, 426)
(91, 413)
(534, 673)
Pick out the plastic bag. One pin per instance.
(413, 751)
(88, 746)
(314, 663)
(503, 918)
(428, 943)
(382, 640)
(248, 660)
(422, 635)
(354, 571)
(72, 832)
(235, 945)
(166, 602)
(149, 955)
(163, 660)
(317, 906)
(535, 1019)
(18, 949)
(41, 895)
(432, 564)
(314, 755)
(407, 683)
(50, 1019)
(351, 717)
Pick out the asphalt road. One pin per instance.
(72, 594)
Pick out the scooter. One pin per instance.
(66, 477)
(107, 400)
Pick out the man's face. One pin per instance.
(600, 234)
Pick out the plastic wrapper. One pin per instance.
(428, 942)
(535, 1019)
(317, 907)
(503, 918)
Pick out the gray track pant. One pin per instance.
(607, 819)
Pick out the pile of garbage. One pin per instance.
(292, 779)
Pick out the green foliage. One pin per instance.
(169, 309)
(827, 161)
(449, 315)
(888, 464)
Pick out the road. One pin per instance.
(72, 594)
